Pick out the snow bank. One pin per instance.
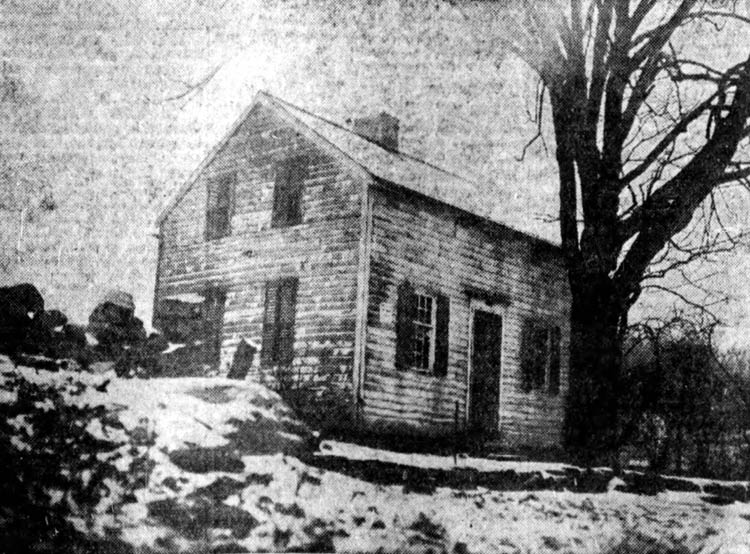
(187, 412)
(215, 484)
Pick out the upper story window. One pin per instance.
(422, 321)
(287, 191)
(220, 206)
(540, 357)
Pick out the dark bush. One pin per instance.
(678, 396)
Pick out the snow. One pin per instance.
(288, 504)
(8, 397)
(188, 298)
(173, 346)
(428, 461)
(179, 418)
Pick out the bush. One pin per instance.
(678, 396)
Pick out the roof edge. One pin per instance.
(390, 186)
(262, 98)
(185, 187)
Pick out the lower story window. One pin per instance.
(423, 343)
(540, 357)
(422, 337)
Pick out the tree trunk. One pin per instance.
(592, 423)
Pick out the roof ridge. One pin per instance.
(399, 153)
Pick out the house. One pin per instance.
(323, 261)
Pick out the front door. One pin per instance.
(484, 389)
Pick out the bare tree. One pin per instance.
(646, 137)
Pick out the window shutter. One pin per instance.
(213, 315)
(527, 355)
(442, 323)
(405, 313)
(277, 346)
(541, 355)
(268, 352)
(287, 306)
(554, 363)
(287, 194)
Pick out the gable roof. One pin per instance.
(362, 155)
(392, 166)
(389, 165)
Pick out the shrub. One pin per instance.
(678, 396)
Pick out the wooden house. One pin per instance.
(323, 261)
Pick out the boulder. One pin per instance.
(114, 325)
(19, 306)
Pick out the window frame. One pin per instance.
(440, 336)
(289, 176)
(529, 375)
(226, 182)
(431, 328)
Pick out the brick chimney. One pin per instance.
(381, 129)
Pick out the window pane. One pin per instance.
(421, 347)
(423, 341)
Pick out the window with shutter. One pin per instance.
(422, 330)
(278, 322)
(220, 207)
(540, 357)
(287, 192)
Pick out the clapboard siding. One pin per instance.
(437, 247)
(357, 241)
(322, 251)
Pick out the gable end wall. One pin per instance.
(322, 252)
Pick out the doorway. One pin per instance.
(486, 361)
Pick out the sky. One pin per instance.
(106, 108)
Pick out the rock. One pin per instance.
(594, 480)
(644, 483)
(19, 306)
(114, 325)
(156, 343)
(222, 488)
(717, 500)
(206, 460)
(680, 485)
(419, 481)
(121, 299)
(735, 491)
(51, 319)
(194, 519)
(616, 484)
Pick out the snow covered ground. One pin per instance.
(230, 471)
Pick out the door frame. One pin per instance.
(476, 304)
